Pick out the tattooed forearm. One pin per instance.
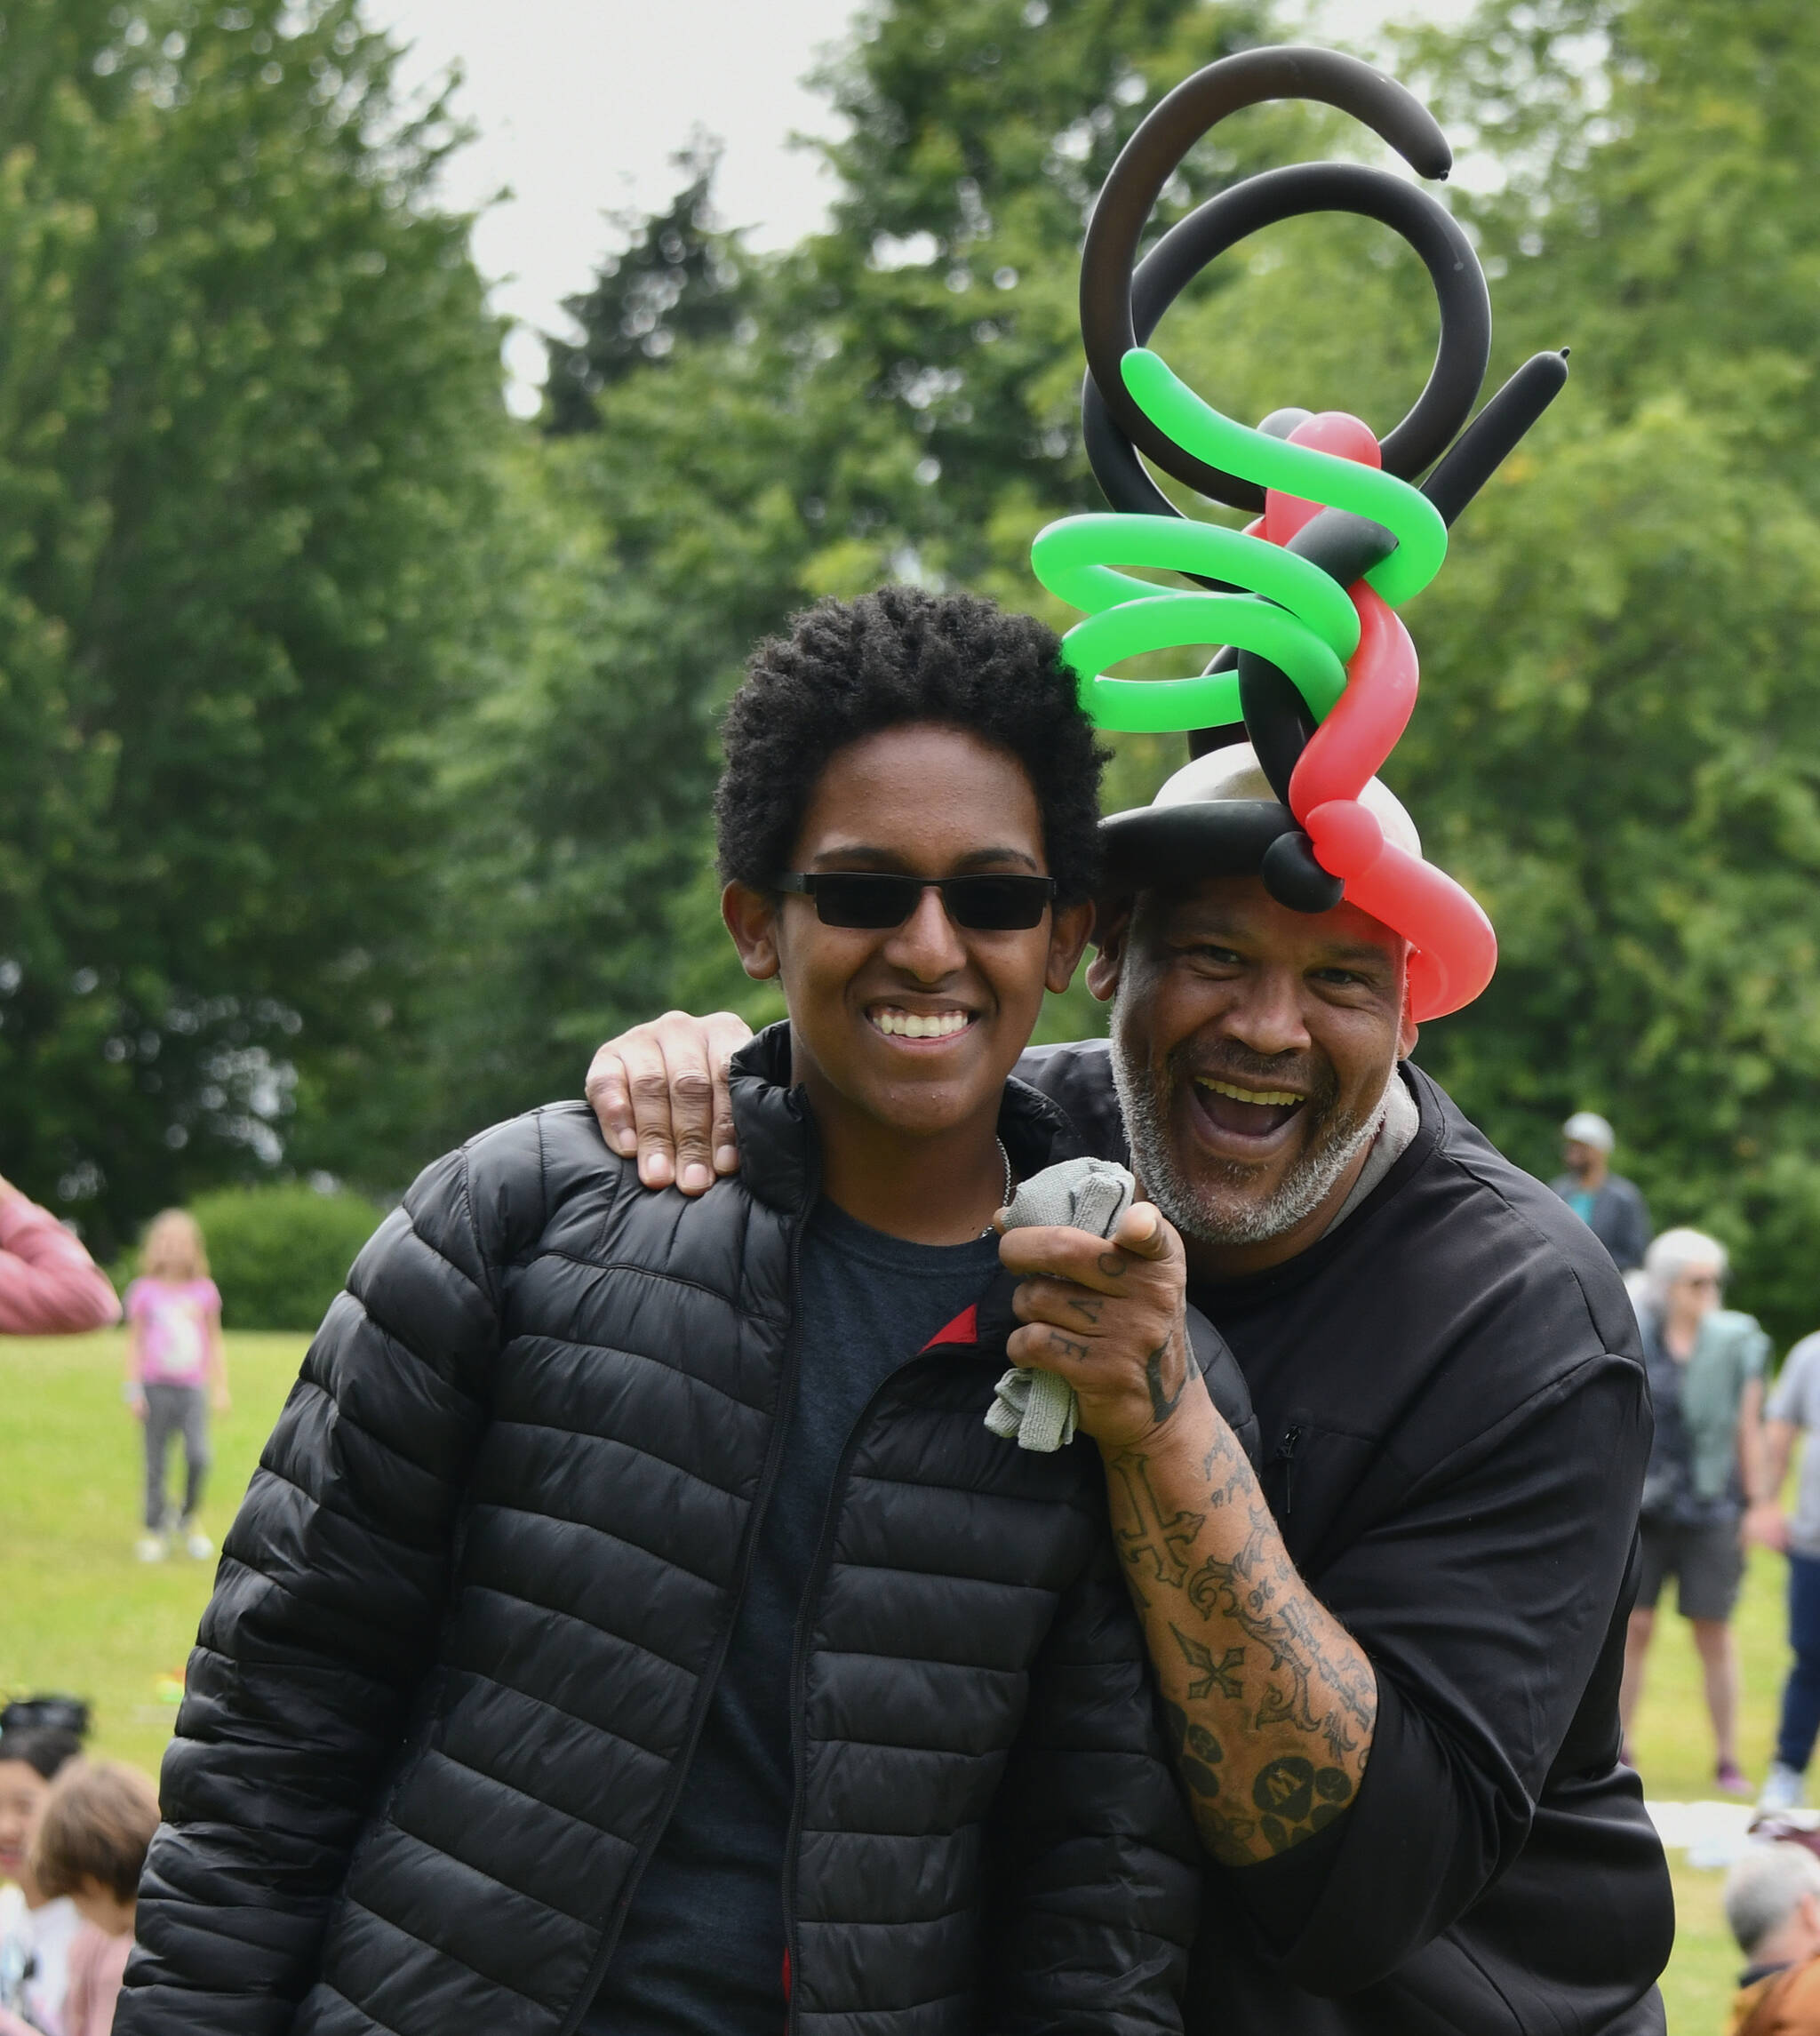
(1270, 1703)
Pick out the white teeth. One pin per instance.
(1264, 1096)
(912, 1024)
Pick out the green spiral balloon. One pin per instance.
(1295, 614)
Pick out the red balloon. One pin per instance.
(1453, 949)
(1367, 720)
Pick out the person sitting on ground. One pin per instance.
(90, 1845)
(1611, 1207)
(1772, 1902)
(634, 1625)
(49, 1285)
(1391, 1664)
(176, 1372)
(1707, 1365)
(39, 1739)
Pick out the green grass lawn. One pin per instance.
(79, 1613)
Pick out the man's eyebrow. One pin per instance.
(893, 859)
(1213, 926)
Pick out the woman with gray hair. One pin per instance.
(1772, 1902)
(1706, 1380)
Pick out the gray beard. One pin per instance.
(1218, 1205)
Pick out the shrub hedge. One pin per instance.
(280, 1254)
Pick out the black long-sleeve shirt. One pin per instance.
(1456, 1423)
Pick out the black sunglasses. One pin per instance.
(876, 898)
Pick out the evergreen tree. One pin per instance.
(680, 278)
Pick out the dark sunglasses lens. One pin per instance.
(997, 904)
(864, 898)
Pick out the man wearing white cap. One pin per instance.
(1611, 1207)
(1390, 1664)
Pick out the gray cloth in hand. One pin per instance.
(1036, 1407)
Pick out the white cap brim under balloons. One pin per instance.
(1216, 816)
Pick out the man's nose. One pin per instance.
(926, 945)
(1267, 1017)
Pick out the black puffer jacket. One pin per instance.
(469, 1617)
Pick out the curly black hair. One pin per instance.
(848, 668)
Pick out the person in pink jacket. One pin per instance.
(49, 1285)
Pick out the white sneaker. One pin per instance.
(198, 1544)
(1783, 1789)
(151, 1548)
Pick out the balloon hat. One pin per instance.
(1317, 672)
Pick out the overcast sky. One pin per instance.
(580, 105)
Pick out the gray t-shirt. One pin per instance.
(1796, 1397)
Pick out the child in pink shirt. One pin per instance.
(174, 1368)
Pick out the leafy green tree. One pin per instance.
(1619, 740)
(894, 398)
(250, 419)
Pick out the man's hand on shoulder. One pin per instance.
(1110, 1316)
(660, 1093)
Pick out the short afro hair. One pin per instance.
(850, 668)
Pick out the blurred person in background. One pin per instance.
(91, 1847)
(1610, 1206)
(49, 1285)
(1793, 1407)
(175, 1370)
(1705, 1366)
(39, 1739)
(1772, 1902)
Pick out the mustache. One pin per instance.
(1309, 1074)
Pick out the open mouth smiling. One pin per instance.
(1235, 1110)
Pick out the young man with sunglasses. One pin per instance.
(633, 1626)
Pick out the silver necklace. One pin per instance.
(1011, 1182)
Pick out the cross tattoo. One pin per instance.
(1162, 1543)
(1209, 1673)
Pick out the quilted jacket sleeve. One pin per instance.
(1096, 1860)
(325, 1609)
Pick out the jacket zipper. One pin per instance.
(799, 1670)
(768, 1478)
(1286, 1455)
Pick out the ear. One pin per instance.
(1111, 929)
(1067, 936)
(1407, 1031)
(751, 917)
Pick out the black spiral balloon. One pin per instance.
(1121, 301)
